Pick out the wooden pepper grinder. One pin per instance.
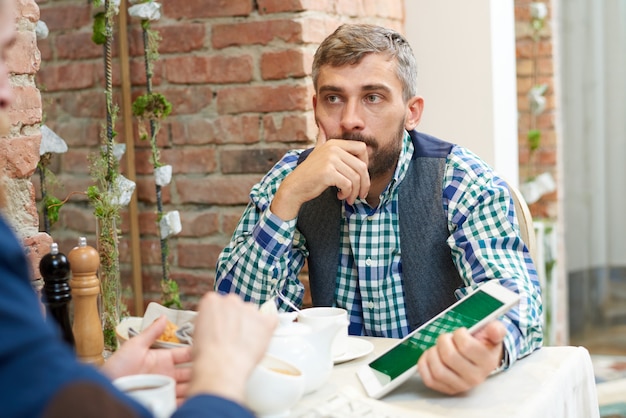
(56, 293)
(84, 262)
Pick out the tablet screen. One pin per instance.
(467, 313)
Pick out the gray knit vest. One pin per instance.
(428, 273)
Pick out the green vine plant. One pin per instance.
(537, 92)
(105, 195)
(151, 109)
(537, 184)
(50, 205)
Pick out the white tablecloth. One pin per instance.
(551, 382)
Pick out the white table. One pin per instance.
(551, 382)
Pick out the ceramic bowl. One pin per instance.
(274, 387)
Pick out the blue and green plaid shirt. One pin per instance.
(267, 253)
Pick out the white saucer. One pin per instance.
(357, 347)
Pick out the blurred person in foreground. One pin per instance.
(40, 374)
(395, 225)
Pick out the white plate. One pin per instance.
(357, 347)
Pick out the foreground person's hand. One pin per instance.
(136, 357)
(230, 339)
(460, 361)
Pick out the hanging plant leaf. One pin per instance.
(152, 106)
(534, 139)
(99, 29)
(53, 206)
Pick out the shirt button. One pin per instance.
(370, 218)
(370, 305)
(368, 262)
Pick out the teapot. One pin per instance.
(308, 349)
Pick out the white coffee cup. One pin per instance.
(154, 391)
(321, 317)
(274, 387)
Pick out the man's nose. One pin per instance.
(351, 117)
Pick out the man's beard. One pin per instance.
(381, 160)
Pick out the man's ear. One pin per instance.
(415, 106)
(314, 102)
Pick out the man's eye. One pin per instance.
(332, 99)
(372, 98)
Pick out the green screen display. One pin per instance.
(467, 313)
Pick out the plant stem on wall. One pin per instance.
(104, 195)
(154, 107)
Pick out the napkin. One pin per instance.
(184, 320)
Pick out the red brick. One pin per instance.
(28, 9)
(182, 37)
(197, 255)
(146, 191)
(76, 46)
(72, 184)
(83, 104)
(188, 100)
(315, 30)
(264, 99)
(278, 65)
(196, 9)
(246, 160)
(290, 128)
(199, 224)
(143, 161)
(282, 6)
(151, 282)
(63, 17)
(25, 57)
(240, 129)
(193, 131)
(76, 160)
(162, 135)
(255, 33)
(218, 69)
(77, 219)
(148, 223)
(72, 76)
(196, 284)
(190, 159)
(45, 49)
(545, 66)
(37, 246)
(377, 8)
(232, 190)
(26, 106)
(138, 75)
(150, 251)
(172, 127)
(19, 156)
(82, 133)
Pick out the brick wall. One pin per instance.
(19, 151)
(237, 74)
(541, 57)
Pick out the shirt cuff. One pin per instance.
(273, 234)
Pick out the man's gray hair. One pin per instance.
(351, 42)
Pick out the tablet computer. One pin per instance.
(393, 367)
